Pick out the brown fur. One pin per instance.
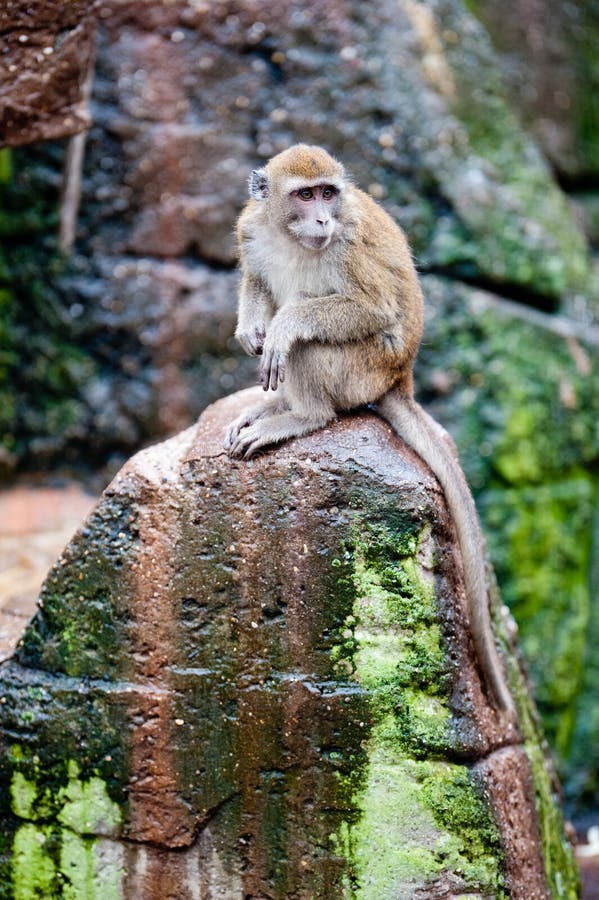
(303, 161)
(339, 328)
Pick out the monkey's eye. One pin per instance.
(305, 194)
(329, 192)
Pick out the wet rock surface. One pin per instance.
(256, 679)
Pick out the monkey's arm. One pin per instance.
(334, 319)
(253, 314)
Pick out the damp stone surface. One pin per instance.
(256, 680)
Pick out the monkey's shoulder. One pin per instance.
(250, 217)
(380, 251)
(373, 223)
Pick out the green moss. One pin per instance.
(416, 819)
(419, 820)
(91, 870)
(49, 861)
(82, 804)
(30, 797)
(51, 864)
(393, 843)
(42, 370)
(24, 796)
(396, 650)
(87, 808)
(34, 872)
(552, 603)
(471, 844)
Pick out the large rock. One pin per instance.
(132, 337)
(46, 50)
(256, 680)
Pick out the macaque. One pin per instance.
(330, 300)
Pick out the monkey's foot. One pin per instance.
(251, 415)
(272, 430)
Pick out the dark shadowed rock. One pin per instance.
(255, 679)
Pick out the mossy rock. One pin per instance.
(258, 678)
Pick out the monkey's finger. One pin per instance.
(265, 368)
(241, 445)
(271, 375)
(279, 370)
(234, 429)
(274, 374)
(237, 447)
(252, 448)
(230, 436)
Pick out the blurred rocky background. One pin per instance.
(477, 130)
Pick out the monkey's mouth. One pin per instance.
(316, 242)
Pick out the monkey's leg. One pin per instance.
(309, 404)
(267, 407)
(276, 428)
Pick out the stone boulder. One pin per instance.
(46, 50)
(255, 680)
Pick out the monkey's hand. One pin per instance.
(274, 358)
(252, 338)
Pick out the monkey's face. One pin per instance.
(312, 212)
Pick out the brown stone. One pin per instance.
(46, 50)
(266, 668)
(507, 779)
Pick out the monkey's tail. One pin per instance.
(426, 437)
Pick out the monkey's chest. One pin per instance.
(290, 272)
(291, 284)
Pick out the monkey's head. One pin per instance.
(302, 188)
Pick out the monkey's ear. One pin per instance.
(258, 184)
